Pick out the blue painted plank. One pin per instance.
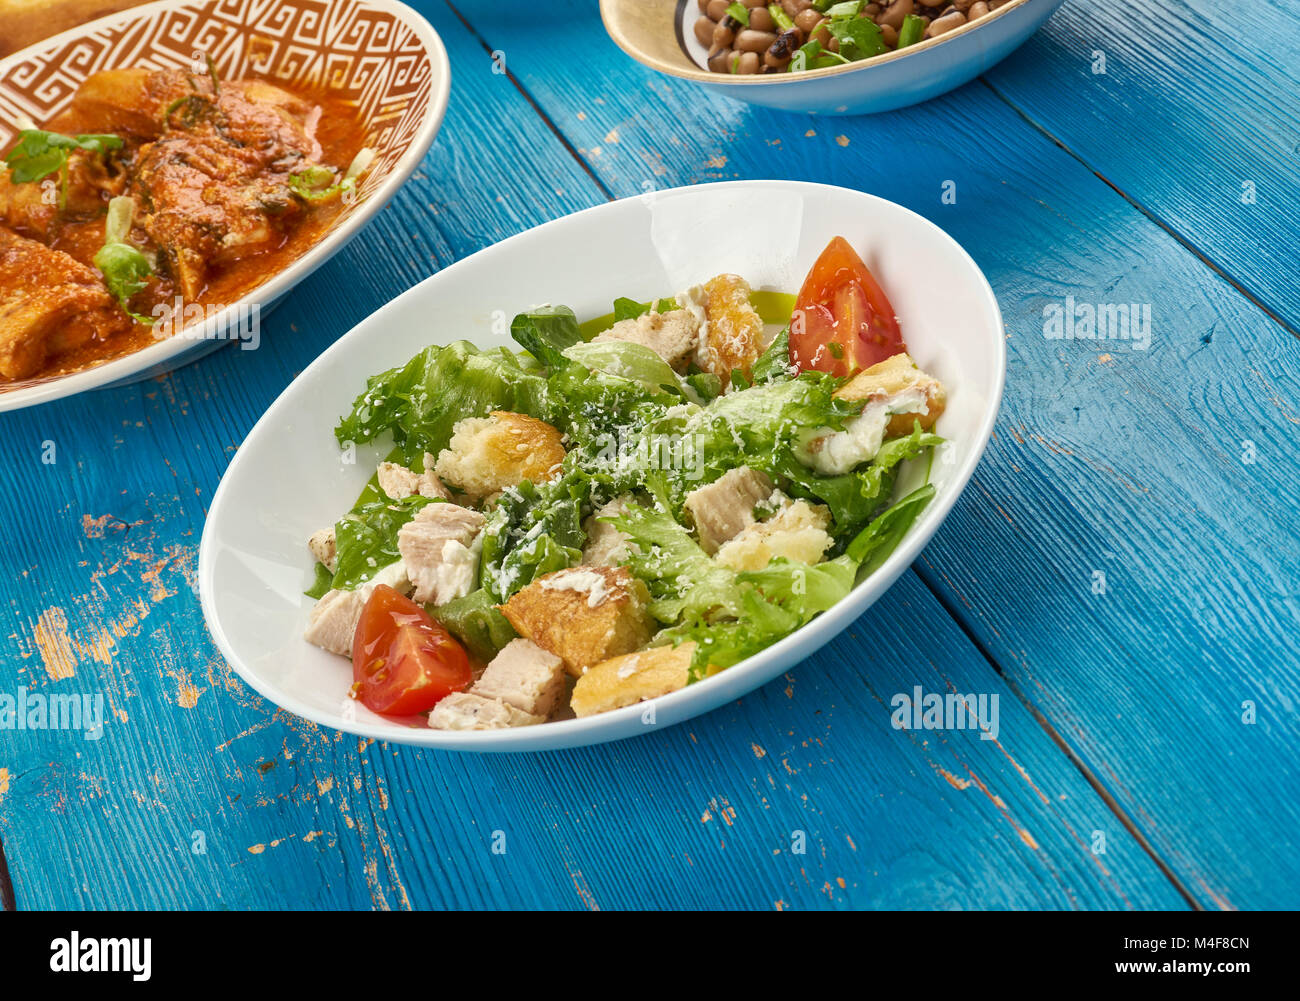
(1135, 464)
(201, 794)
(1192, 110)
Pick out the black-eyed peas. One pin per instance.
(775, 36)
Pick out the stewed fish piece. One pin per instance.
(49, 303)
(215, 185)
(135, 102)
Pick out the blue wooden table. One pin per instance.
(1123, 571)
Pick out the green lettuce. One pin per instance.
(852, 497)
(546, 332)
(533, 530)
(476, 622)
(421, 401)
(366, 538)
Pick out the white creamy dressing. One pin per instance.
(841, 451)
(583, 581)
(457, 572)
(695, 300)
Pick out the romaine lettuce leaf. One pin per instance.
(681, 577)
(421, 401)
(853, 497)
(872, 546)
(476, 622)
(366, 538)
(634, 362)
(533, 530)
(546, 332)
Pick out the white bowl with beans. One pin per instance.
(758, 51)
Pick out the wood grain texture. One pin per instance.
(1191, 109)
(706, 814)
(1106, 460)
(200, 794)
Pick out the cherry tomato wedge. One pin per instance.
(402, 661)
(842, 320)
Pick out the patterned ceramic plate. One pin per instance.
(378, 55)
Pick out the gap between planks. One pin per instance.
(1046, 725)
(546, 119)
(1183, 241)
(1111, 803)
(7, 900)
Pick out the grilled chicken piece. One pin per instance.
(525, 676)
(49, 304)
(214, 182)
(673, 336)
(440, 547)
(400, 481)
(723, 509)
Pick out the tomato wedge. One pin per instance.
(402, 661)
(842, 320)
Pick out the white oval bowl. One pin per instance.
(658, 34)
(287, 480)
(382, 50)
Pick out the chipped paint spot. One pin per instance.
(1105, 359)
(758, 751)
(955, 781)
(611, 136)
(54, 644)
(187, 692)
(842, 140)
(4, 782)
(716, 162)
(584, 891)
(258, 849)
(810, 133)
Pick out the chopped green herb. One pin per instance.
(859, 38)
(212, 73)
(740, 12)
(780, 17)
(911, 31)
(39, 154)
(851, 8)
(315, 183)
(124, 267)
(814, 56)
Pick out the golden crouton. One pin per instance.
(733, 338)
(583, 615)
(631, 678)
(889, 378)
(488, 454)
